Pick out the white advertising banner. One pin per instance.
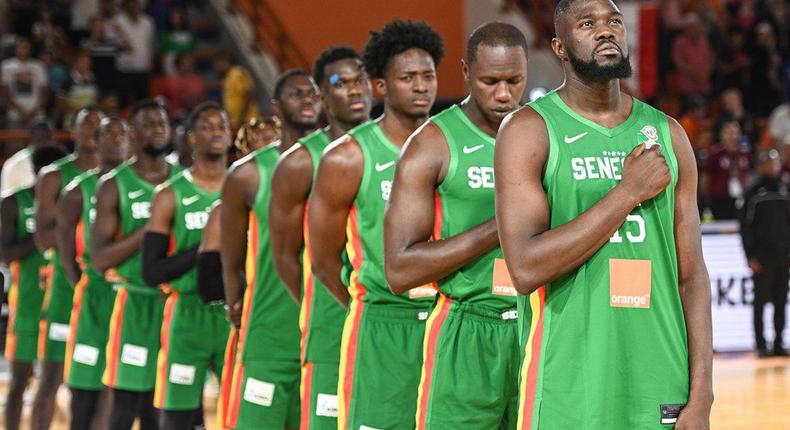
(732, 291)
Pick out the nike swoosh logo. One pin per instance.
(383, 167)
(135, 194)
(186, 201)
(468, 150)
(575, 138)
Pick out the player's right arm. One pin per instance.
(534, 253)
(291, 183)
(336, 186)
(12, 249)
(411, 258)
(209, 266)
(69, 209)
(47, 193)
(108, 248)
(238, 195)
(158, 266)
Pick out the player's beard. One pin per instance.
(598, 73)
(299, 124)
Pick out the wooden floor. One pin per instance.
(751, 394)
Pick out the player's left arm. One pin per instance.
(694, 286)
(158, 267)
(69, 208)
(291, 183)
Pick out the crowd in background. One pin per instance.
(724, 67)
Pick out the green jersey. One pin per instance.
(464, 200)
(68, 172)
(266, 303)
(321, 317)
(134, 209)
(607, 340)
(193, 205)
(86, 183)
(27, 294)
(365, 228)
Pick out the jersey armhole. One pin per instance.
(670, 149)
(551, 160)
(452, 168)
(365, 181)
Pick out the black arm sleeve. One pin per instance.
(158, 267)
(209, 273)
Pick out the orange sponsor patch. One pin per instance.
(629, 283)
(502, 285)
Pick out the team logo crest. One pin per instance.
(651, 134)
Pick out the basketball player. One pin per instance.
(345, 93)
(193, 333)
(264, 393)
(381, 349)
(596, 200)
(123, 206)
(446, 174)
(93, 295)
(26, 295)
(58, 299)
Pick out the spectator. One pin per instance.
(178, 38)
(696, 122)
(765, 86)
(765, 229)
(693, 58)
(725, 172)
(57, 73)
(779, 124)
(82, 13)
(238, 92)
(734, 62)
(732, 110)
(17, 172)
(135, 63)
(47, 36)
(104, 45)
(80, 90)
(184, 90)
(24, 87)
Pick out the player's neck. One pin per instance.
(290, 134)
(85, 160)
(472, 111)
(600, 102)
(146, 164)
(209, 171)
(337, 128)
(397, 126)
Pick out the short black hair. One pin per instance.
(330, 55)
(199, 109)
(494, 34)
(279, 84)
(145, 104)
(45, 156)
(396, 37)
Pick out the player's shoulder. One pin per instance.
(295, 159)
(342, 152)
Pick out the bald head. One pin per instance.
(494, 34)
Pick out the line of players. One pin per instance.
(306, 275)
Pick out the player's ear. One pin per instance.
(379, 86)
(465, 70)
(277, 108)
(559, 48)
(190, 138)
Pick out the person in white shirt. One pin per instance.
(779, 124)
(24, 85)
(135, 63)
(17, 171)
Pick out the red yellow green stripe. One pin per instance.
(306, 393)
(13, 298)
(348, 345)
(226, 383)
(432, 329)
(74, 322)
(113, 345)
(161, 365)
(532, 356)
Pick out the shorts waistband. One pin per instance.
(143, 290)
(397, 313)
(509, 316)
